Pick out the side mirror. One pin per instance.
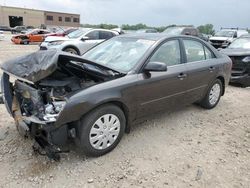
(235, 35)
(156, 67)
(85, 38)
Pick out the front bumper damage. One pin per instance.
(49, 139)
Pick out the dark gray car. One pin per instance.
(239, 52)
(95, 98)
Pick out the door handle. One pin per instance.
(181, 76)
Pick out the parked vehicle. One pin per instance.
(185, 30)
(78, 41)
(5, 28)
(17, 29)
(27, 29)
(2, 35)
(239, 52)
(225, 36)
(35, 35)
(93, 99)
(63, 33)
(147, 31)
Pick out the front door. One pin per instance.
(159, 91)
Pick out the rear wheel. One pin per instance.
(71, 50)
(213, 95)
(101, 130)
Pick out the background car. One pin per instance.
(93, 99)
(18, 29)
(35, 35)
(5, 28)
(185, 30)
(225, 36)
(62, 32)
(239, 52)
(78, 41)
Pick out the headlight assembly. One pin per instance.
(246, 59)
(55, 43)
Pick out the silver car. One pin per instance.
(78, 41)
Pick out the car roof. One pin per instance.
(153, 36)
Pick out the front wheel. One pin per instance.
(71, 50)
(101, 130)
(213, 95)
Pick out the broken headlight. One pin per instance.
(53, 110)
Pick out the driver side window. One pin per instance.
(168, 53)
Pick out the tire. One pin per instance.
(71, 50)
(91, 125)
(215, 89)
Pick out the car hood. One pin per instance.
(235, 52)
(56, 38)
(39, 65)
(220, 38)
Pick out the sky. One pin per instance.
(220, 13)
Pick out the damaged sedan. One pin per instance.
(55, 97)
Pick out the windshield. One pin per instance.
(173, 30)
(224, 34)
(78, 33)
(240, 43)
(120, 54)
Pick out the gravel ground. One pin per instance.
(191, 147)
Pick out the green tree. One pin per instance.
(206, 29)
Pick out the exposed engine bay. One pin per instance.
(36, 91)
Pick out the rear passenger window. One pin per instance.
(168, 53)
(194, 50)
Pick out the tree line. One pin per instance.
(205, 29)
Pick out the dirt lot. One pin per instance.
(191, 147)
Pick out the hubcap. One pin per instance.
(104, 131)
(214, 94)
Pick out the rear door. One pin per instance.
(163, 90)
(202, 68)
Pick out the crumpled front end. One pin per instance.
(37, 89)
(35, 111)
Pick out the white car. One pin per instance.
(78, 41)
(225, 37)
(2, 35)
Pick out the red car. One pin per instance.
(35, 35)
(62, 33)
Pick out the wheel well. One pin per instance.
(223, 83)
(75, 48)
